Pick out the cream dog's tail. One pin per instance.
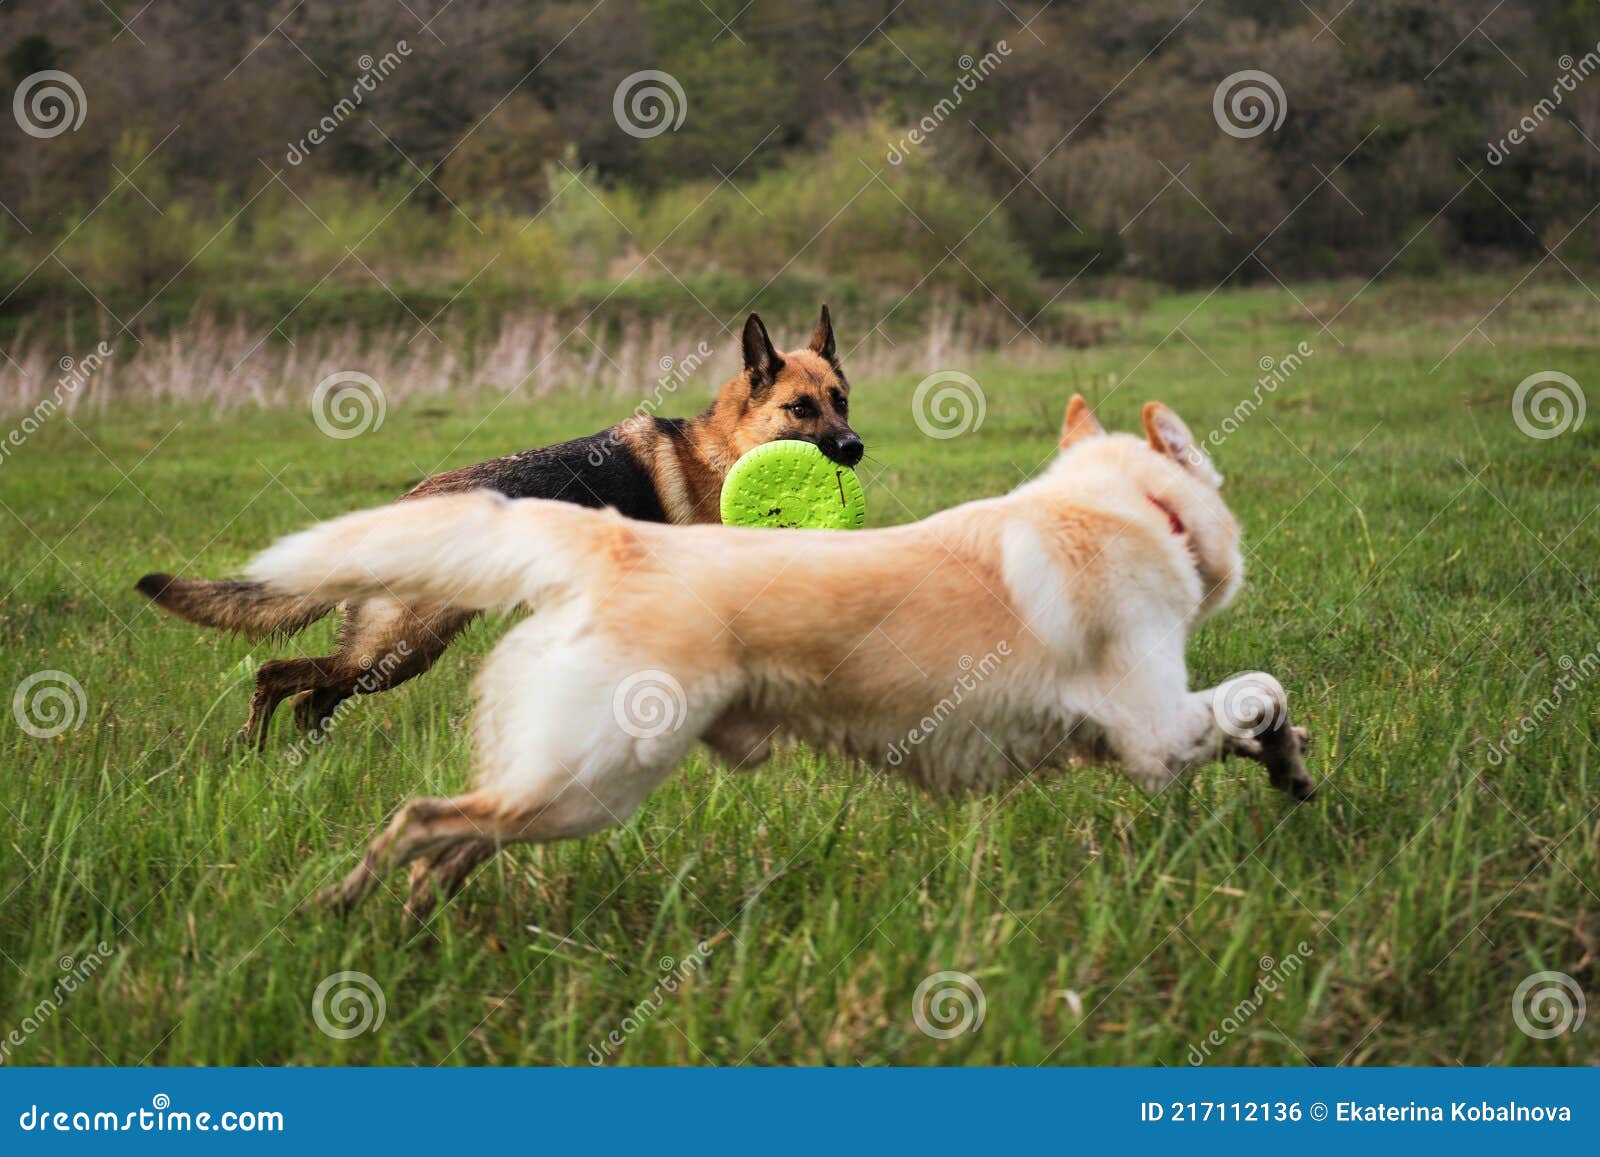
(479, 551)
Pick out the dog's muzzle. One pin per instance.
(845, 449)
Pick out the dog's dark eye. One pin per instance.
(803, 408)
(840, 403)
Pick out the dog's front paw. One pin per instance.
(1283, 751)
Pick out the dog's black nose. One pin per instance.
(846, 449)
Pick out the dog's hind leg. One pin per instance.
(444, 830)
(276, 680)
(599, 789)
(382, 644)
(439, 878)
(557, 752)
(421, 827)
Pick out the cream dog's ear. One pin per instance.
(1079, 423)
(1166, 431)
(1168, 435)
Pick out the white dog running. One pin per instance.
(1093, 574)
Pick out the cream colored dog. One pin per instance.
(1079, 588)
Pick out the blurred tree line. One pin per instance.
(490, 153)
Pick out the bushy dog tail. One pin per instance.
(233, 605)
(477, 551)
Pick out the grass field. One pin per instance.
(1422, 574)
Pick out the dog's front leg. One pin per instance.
(1158, 730)
(1156, 746)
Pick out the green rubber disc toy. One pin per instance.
(792, 484)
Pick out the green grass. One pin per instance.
(1418, 569)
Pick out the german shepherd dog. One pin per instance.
(649, 468)
(1087, 580)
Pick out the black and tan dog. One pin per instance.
(649, 468)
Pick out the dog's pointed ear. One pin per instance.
(761, 361)
(822, 339)
(1168, 435)
(1080, 423)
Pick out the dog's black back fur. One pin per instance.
(596, 471)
